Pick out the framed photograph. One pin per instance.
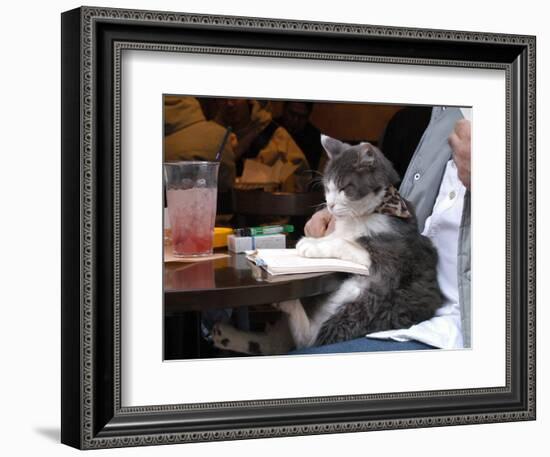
(273, 227)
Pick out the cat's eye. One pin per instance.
(348, 187)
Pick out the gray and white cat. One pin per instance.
(375, 227)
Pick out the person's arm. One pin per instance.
(282, 146)
(460, 141)
(320, 224)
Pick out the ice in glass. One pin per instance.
(191, 194)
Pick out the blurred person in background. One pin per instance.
(259, 136)
(295, 118)
(189, 136)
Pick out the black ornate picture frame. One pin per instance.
(92, 42)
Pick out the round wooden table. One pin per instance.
(233, 282)
(230, 282)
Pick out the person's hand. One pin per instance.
(460, 141)
(320, 224)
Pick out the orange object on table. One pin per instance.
(220, 236)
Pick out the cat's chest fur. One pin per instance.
(352, 228)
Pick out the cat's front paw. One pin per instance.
(308, 247)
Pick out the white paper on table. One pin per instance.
(287, 261)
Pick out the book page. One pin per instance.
(286, 261)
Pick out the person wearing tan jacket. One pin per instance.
(259, 137)
(189, 136)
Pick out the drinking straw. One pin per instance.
(222, 144)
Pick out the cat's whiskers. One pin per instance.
(317, 181)
(319, 206)
(315, 171)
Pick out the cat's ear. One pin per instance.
(333, 146)
(371, 157)
(367, 157)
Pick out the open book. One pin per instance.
(287, 261)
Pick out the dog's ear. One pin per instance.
(333, 146)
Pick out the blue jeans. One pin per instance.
(365, 345)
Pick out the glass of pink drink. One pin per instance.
(191, 194)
